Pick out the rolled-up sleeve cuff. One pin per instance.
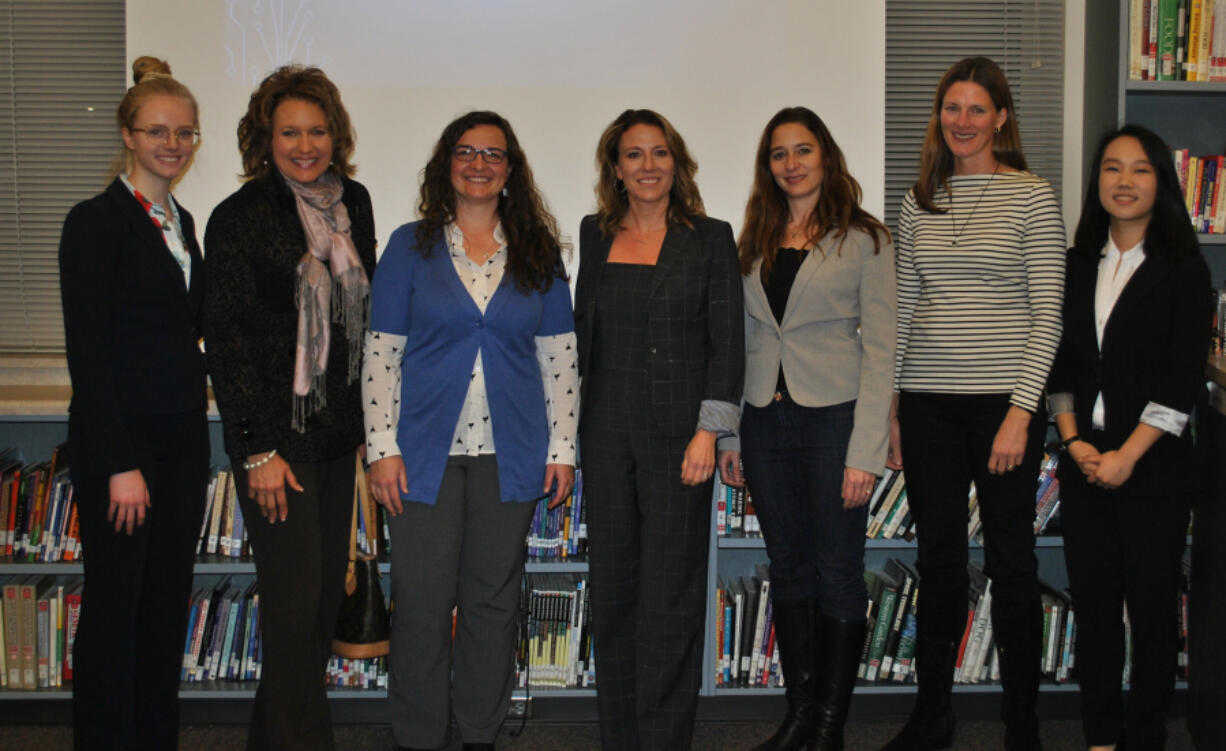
(1164, 418)
(1059, 404)
(728, 443)
(721, 418)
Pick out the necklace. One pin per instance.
(953, 222)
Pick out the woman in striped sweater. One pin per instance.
(980, 255)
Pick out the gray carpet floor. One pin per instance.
(1058, 735)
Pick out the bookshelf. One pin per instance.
(34, 418)
(1187, 114)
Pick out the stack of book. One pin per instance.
(223, 531)
(38, 518)
(1202, 180)
(560, 532)
(1177, 40)
(368, 673)
(734, 512)
(555, 648)
(745, 633)
(38, 625)
(746, 654)
(223, 635)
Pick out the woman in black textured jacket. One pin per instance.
(290, 252)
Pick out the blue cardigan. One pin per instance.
(424, 300)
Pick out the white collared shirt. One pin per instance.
(1115, 270)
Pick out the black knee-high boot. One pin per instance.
(1017, 623)
(796, 626)
(931, 724)
(838, 658)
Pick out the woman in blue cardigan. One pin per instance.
(471, 389)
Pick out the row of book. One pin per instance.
(1201, 178)
(223, 531)
(38, 625)
(747, 656)
(1177, 40)
(889, 513)
(367, 673)
(560, 532)
(555, 648)
(735, 515)
(223, 635)
(38, 518)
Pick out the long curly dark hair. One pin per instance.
(1169, 235)
(838, 205)
(534, 250)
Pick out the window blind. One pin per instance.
(924, 37)
(62, 73)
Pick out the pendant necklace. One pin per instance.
(953, 222)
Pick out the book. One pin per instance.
(899, 572)
(12, 630)
(884, 589)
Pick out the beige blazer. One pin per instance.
(836, 342)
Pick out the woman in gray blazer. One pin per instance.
(818, 275)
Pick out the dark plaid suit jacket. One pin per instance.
(695, 323)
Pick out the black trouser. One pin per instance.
(648, 567)
(129, 647)
(300, 566)
(946, 442)
(1124, 546)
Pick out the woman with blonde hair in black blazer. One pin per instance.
(658, 320)
(132, 280)
(819, 333)
(1130, 368)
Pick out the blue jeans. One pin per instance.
(793, 458)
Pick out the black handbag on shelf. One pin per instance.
(362, 629)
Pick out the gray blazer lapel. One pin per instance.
(804, 276)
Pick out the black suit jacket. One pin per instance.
(695, 320)
(1154, 349)
(255, 241)
(131, 326)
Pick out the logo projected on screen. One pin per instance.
(264, 34)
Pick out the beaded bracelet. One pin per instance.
(261, 462)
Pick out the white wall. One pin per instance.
(559, 70)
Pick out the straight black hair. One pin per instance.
(1170, 235)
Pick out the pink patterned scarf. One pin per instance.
(332, 286)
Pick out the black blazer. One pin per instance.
(695, 320)
(255, 241)
(131, 326)
(1154, 349)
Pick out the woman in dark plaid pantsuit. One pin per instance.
(659, 322)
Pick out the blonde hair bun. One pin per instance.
(146, 65)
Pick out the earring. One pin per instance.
(505, 193)
(998, 130)
(620, 186)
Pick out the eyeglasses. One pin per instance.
(469, 153)
(161, 134)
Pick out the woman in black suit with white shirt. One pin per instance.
(131, 277)
(1128, 372)
(661, 353)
